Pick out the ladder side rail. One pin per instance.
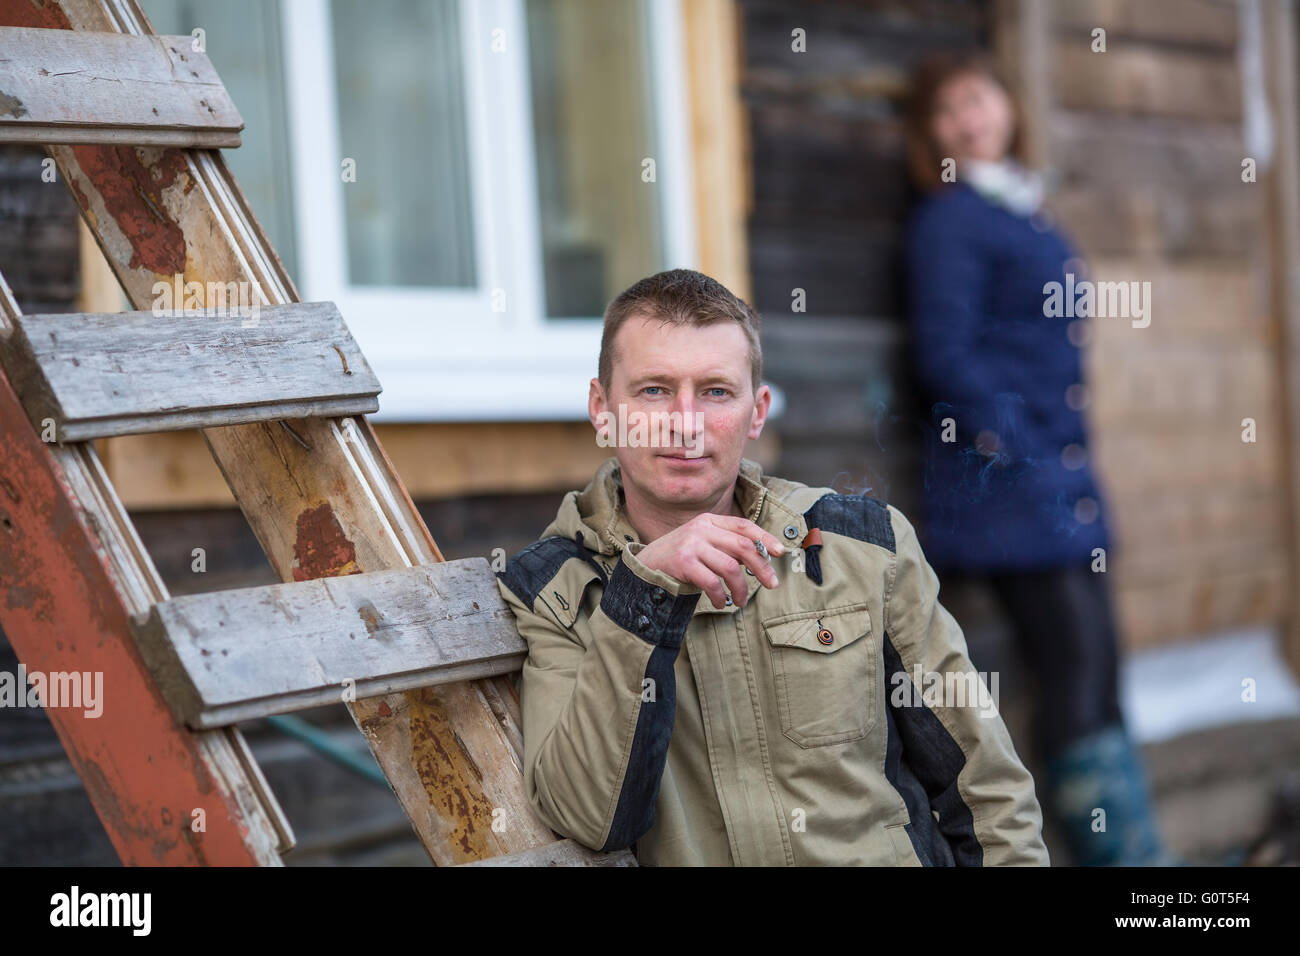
(74, 571)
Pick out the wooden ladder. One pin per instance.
(420, 650)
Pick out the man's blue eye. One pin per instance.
(649, 387)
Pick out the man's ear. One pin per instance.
(762, 405)
(597, 402)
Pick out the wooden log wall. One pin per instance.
(1147, 138)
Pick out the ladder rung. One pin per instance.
(66, 86)
(95, 375)
(229, 656)
(560, 853)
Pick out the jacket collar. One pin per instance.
(597, 512)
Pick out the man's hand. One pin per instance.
(710, 549)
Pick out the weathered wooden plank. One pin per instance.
(1206, 24)
(1118, 220)
(1278, 29)
(1138, 153)
(1210, 455)
(844, 39)
(1182, 389)
(1168, 534)
(1209, 303)
(711, 38)
(859, 161)
(1281, 62)
(563, 853)
(99, 375)
(845, 269)
(1192, 560)
(57, 86)
(228, 656)
(1187, 606)
(1147, 80)
(1022, 40)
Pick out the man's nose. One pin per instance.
(685, 407)
(685, 402)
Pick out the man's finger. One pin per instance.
(704, 578)
(750, 530)
(729, 568)
(743, 549)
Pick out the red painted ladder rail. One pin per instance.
(336, 523)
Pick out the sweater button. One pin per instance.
(1078, 332)
(658, 595)
(1086, 510)
(643, 623)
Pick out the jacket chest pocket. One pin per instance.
(825, 671)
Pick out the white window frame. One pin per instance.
(444, 355)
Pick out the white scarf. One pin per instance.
(1005, 184)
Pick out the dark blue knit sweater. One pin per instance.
(989, 359)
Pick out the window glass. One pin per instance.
(401, 101)
(242, 39)
(593, 126)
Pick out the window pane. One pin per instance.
(401, 102)
(593, 122)
(243, 42)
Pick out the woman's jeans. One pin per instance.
(1094, 785)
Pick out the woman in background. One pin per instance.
(1009, 492)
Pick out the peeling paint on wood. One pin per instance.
(11, 105)
(444, 776)
(132, 189)
(321, 549)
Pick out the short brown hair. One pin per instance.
(683, 297)
(930, 76)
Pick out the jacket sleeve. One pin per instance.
(599, 702)
(958, 747)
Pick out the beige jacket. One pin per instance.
(788, 732)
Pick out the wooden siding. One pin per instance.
(1147, 140)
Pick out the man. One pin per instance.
(775, 722)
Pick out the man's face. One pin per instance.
(691, 388)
